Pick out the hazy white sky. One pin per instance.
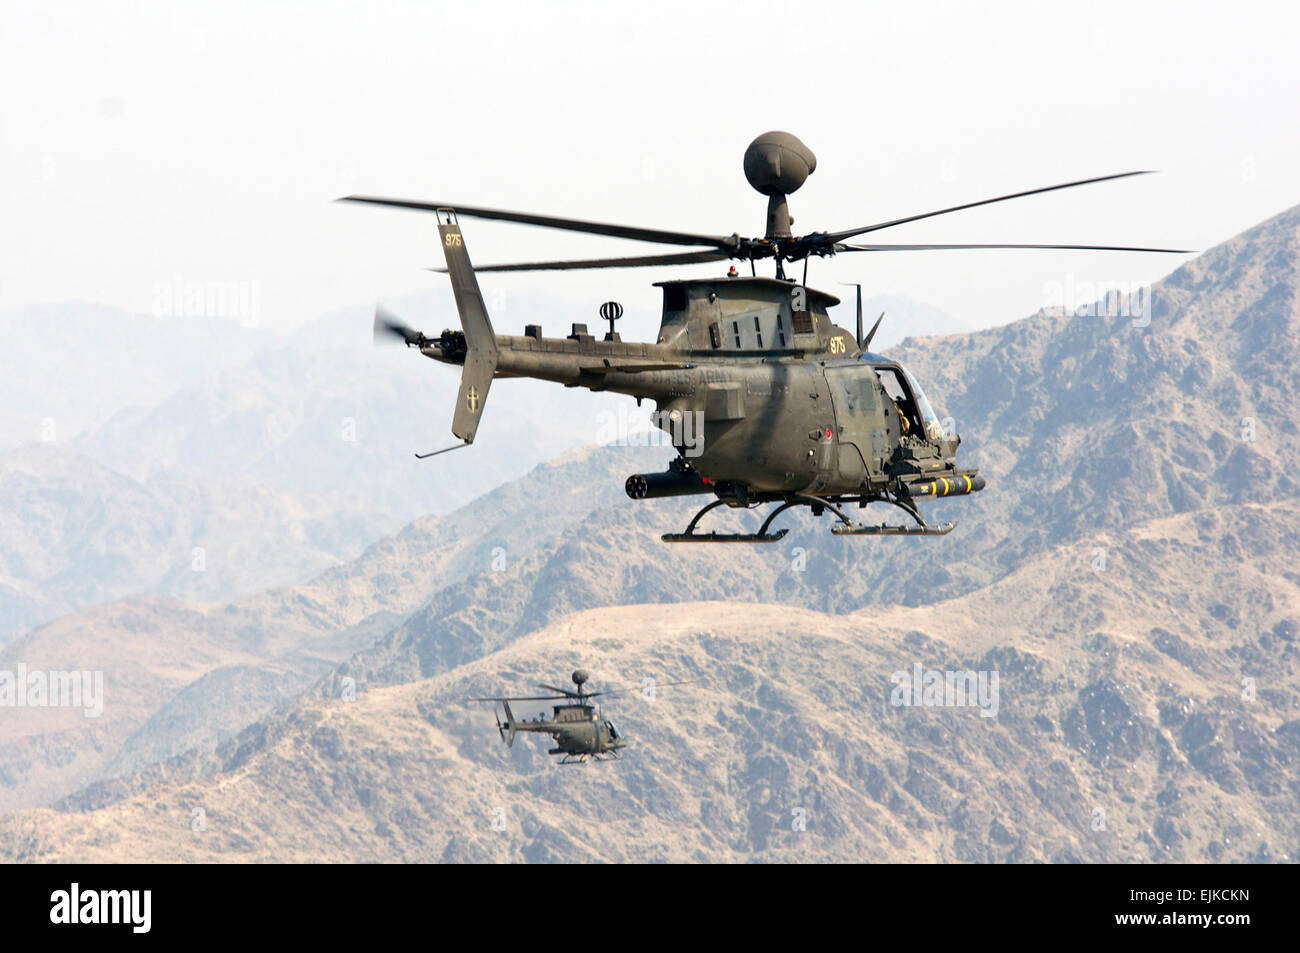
(141, 142)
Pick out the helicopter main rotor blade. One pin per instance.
(550, 221)
(683, 258)
(624, 691)
(843, 247)
(849, 233)
(518, 698)
(564, 691)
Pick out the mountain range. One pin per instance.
(1128, 575)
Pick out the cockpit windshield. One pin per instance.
(613, 732)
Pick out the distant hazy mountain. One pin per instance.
(326, 412)
(187, 419)
(276, 457)
(1127, 572)
(74, 533)
(904, 317)
(69, 366)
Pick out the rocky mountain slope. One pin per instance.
(74, 533)
(1131, 560)
(276, 457)
(343, 421)
(1089, 420)
(176, 434)
(279, 641)
(1121, 732)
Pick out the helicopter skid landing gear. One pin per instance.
(584, 758)
(848, 528)
(762, 536)
(886, 530)
(724, 537)
(818, 505)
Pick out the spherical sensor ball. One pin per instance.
(777, 163)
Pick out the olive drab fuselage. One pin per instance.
(575, 726)
(761, 393)
(577, 730)
(765, 398)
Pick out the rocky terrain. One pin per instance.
(1121, 733)
(276, 455)
(277, 458)
(1129, 574)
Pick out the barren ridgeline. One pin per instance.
(1127, 577)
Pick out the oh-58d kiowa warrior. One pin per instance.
(777, 404)
(576, 725)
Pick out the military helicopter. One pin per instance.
(765, 399)
(576, 725)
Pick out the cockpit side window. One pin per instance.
(893, 386)
(907, 395)
(897, 391)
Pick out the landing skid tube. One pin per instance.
(943, 529)
(762, 536)
(845, 526)
(583, 758)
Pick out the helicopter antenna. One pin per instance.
(611, 311)
(852, 284)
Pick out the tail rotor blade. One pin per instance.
(389, 329)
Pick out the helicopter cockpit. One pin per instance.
(916, 415)
(613, 732)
